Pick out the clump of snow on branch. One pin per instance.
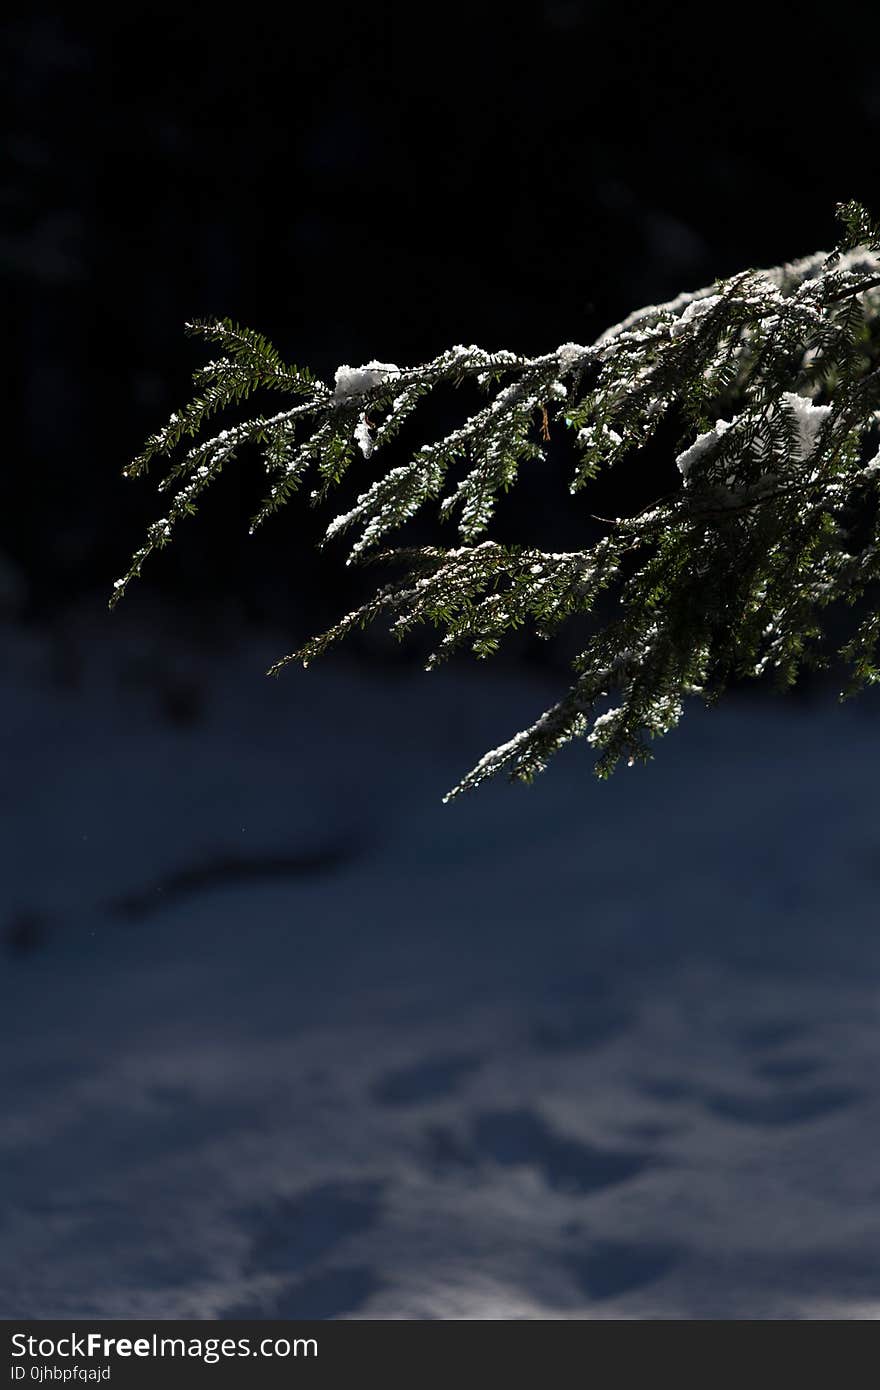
(810, 419)
(704, 444)
(363, 437)
(354, 381)
(695, 310)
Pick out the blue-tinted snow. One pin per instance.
(284, 1036)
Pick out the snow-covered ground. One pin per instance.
(283, 1036)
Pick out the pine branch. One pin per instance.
(772, 378)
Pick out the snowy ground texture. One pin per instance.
(284, 1037)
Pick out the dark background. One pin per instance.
(358, 182)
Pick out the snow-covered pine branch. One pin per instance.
(772, 379)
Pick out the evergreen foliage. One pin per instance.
(772, 380)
